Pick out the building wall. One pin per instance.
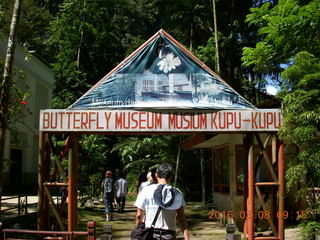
(39, 79)
(232, 200)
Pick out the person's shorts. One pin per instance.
(161, 234)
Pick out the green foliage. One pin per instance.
(93, 156)
(284, 31)
(88, 39)
(206, 53)
(18, 105)
(289, 35)
(95, 182)
(34, 20)
(301, 111)
(260, 57)
(146, 153)
(310, 229)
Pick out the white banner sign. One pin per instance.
(62, 120)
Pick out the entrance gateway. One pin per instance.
(161, 88)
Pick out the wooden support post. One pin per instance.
(73, 184)
(91, 230)
(250, 217)
(43, 203)
(281, 190)
(273, 197)
(245, 182)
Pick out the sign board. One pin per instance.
(64, 120)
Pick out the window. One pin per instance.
(220, 162)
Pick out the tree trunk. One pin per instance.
(216, 37)
(177, 165)
(203, 178)
(191, 37)
(6, 85)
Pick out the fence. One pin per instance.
(20, 202)
(15, 234)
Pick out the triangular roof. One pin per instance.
(161, 74)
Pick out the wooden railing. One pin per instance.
(14, 234)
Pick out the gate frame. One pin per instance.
(251, 189)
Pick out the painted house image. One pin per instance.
(21, 150)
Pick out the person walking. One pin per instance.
(146, 183)
(165, 201)
(108, 196)
(121, 189)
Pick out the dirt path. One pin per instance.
(201, 228)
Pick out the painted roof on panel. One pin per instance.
(161, 74)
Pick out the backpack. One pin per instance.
(107, 185)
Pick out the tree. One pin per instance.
(89, 38)
(6, 83)
(290, 45)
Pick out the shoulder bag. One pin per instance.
(143, 233)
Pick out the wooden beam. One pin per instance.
(53, 207)
(281, 190)
(265, 208)
(73, 184)
(265, 145)
(250, 217)
(266, 158)
(192, 141)
(43, 175)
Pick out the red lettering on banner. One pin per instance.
(150, 126)
(133, 118)
(158, 120)
(69, 119)
(254, 120)
(84, 120)
(202, 121)
(61, 119)
(75, 120)
(262, 121)
(213, 120)
(234, 120)
(220, 121)
(52, 125)
(187, 120)
(126, 124)
(178, 121)
(141, 120)
(107, 117)
(269, 119)
(275, 119)
(229, 119)
(171, 119)
(45, 120)
(239, 120)
(98, 120)
(91, 119)
(118, 122)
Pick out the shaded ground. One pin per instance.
(201, 227)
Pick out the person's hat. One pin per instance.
(168, 197)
